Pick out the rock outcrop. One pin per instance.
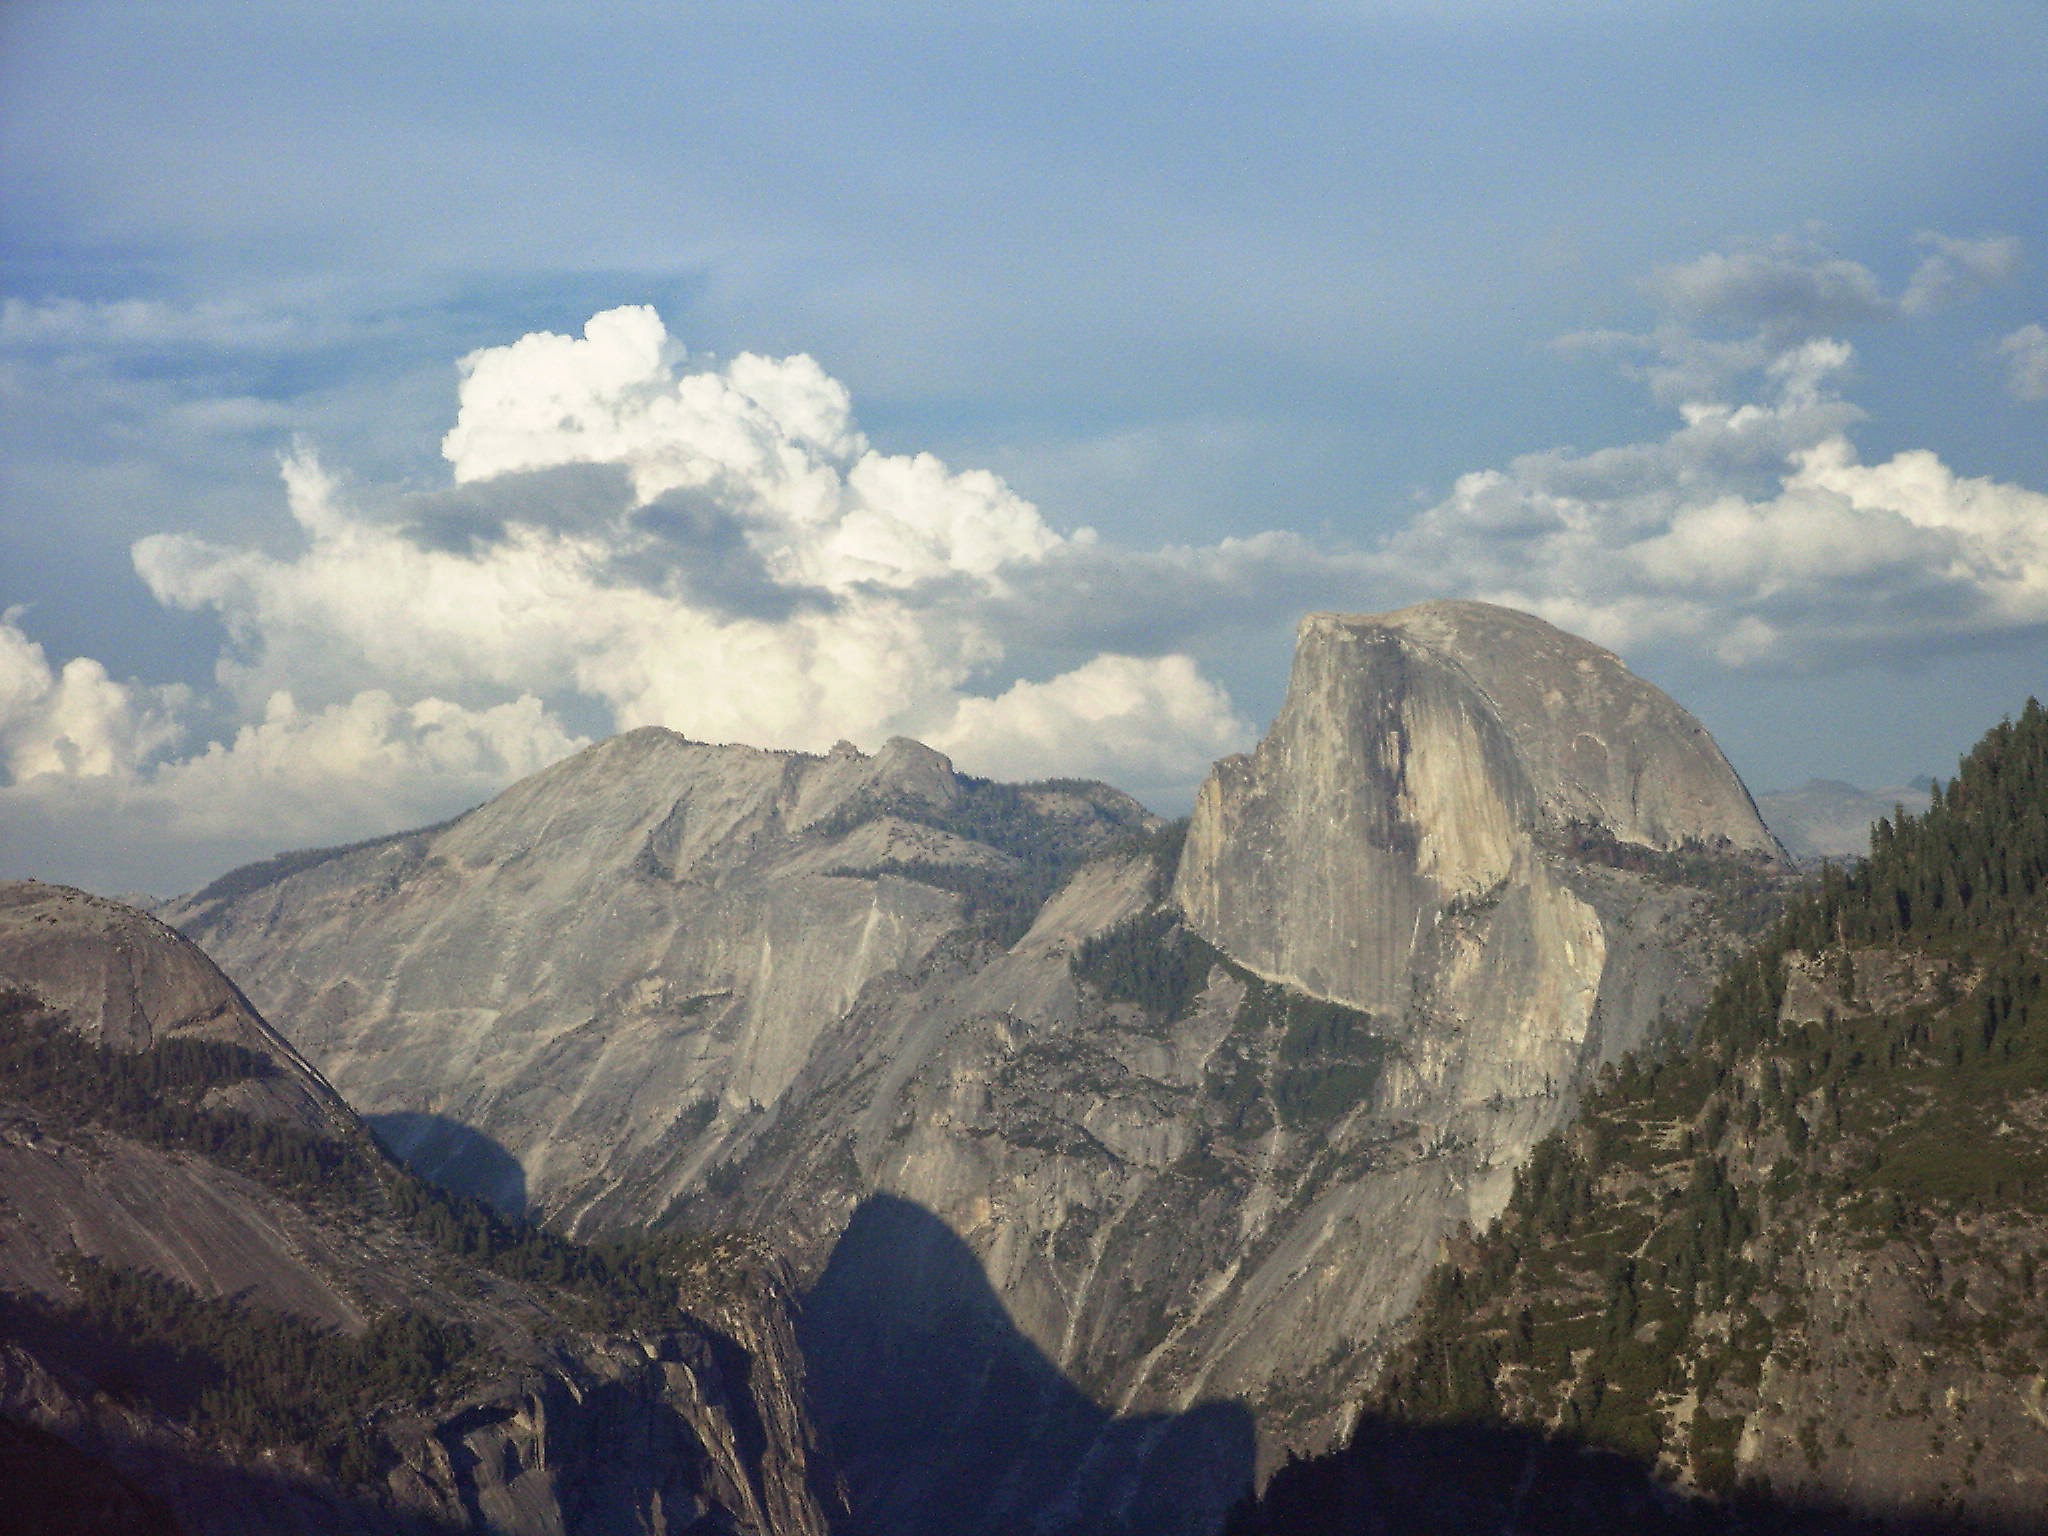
(550, 1423)
(1429, 758)
(1201, 1151)
(1503, 847)
(126, 981)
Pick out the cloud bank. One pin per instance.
(1795, 285)
(629, 534)
(714, 549)
(1752, 530)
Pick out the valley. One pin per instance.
(1011, 1159)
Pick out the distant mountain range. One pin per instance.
(1827, 819)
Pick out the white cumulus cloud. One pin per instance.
(1786, 282)
(307, 776)
(1753, 529)
(760, 572)
(772, 441)
(630, 536)
(1152, 721)
(290, 779)
(1954, 269)
(74, 721)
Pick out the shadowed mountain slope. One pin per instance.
(224, 1310)
(968, 1426)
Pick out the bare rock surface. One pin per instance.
(1082, 1254)
(127, 981)
(1420, 759)
(613, 967)
(1501, 845)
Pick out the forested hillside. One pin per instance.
(1793, 1272)
(217, 1320)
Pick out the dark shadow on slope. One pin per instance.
(1397, 1479)
(53, 1486)
(947, 1421)
(49, 1486)
(170, 1377)
(455, 1156)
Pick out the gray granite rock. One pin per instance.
(1419, 760)
(615, 967)
(705, 985)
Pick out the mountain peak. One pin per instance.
(1420, 759)
(1593, 743)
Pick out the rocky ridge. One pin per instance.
(545, 1418)
(614, 967)
(1147, 1185)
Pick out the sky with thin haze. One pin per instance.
(395, 398)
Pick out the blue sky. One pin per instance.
(1090, 346)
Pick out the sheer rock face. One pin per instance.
(1409, 840)
(1419, 761)
(696, 1425)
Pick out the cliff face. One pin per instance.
(673, 1431)
(1422, 760)
(547, 1421)
(1508, 852)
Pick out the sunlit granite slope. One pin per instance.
(127, 981)
(1421, 759)
(716, 987)
(615, 965)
